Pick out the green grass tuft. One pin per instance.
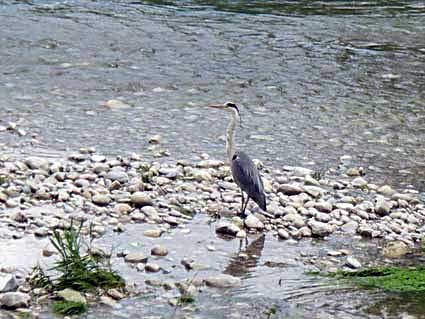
(3, 179)
(392, 279)
(186, 299)
(69, 308)
(75, 270)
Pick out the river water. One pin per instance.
(315, 79)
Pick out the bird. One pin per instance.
(244, 171)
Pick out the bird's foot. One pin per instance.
(242, 215)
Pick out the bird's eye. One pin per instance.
(234, 157)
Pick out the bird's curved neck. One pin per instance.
(230, 136)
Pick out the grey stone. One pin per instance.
(323, 206)
(72, 295)
(227, 228)
(359, 182)
(253, 222)
(319, 229)
(13, 300)
(154, 233)
(222, 281)
(395, 249)
(282, 233)
(295, 219)
(37, 163)
(7, 283)
(350, 227)
(289, 189)
(141, 199)
(151, 267)
(117, 175)
(382, 207)
(101, 199)
(386, 190)
(353, 262)
(159, 250)
(136, 257)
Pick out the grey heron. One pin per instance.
(244, 171)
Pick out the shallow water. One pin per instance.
(316, 80)
(273, 272)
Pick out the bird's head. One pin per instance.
(229, 107)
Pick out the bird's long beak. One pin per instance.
(217, 106)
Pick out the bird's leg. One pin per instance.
(243, 215)
(243, 201)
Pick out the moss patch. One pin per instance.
(68, 308)
(392, 279)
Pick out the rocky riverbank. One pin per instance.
(38, 195)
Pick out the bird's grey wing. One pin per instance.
(246, 175)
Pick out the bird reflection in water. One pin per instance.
(246, 259)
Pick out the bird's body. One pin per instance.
(246, 175)
(244, 172)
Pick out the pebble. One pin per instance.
(319, 229)
(289, 189)
(154, 233)
(136, 257)
(159, 250)
(253, 222)
(14, 300)
(222, 281)
(7, 283)
(141, 199)
(353, 262)
(227, 228)
(283, 234)
(382, 207)
(151, 267)
(395, 249)
(72, 295)
(101, 199)
(117, 175)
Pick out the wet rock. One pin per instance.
(37, 163)
(117, 175)
(116, 105)
(72, 295)
(101, 199)
(313, 191)
(14, 300)
(359, 182)
(295, 219)
(395, 249)
(382, 207)
(108, 301)
(386, 190)
(155, 139)
(323, 217)
(159, 250)
(141, 199)
(253, 222)
(283, 234)
(289, 189)
(353, 262)
(406, 197)
(7, 283)
(350, 227)
(115, 293)
(151, 267)
(353, 171)
(323, 206)
(136, 257)
(222, 281)
(154, 233)
(171, 220)
(241, 234)
(227, 228)
(319, 229)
